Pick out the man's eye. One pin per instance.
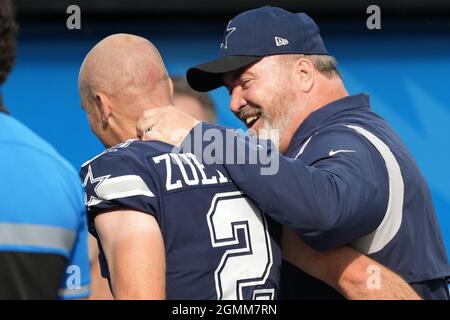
(245, 83)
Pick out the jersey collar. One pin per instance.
(318, 118)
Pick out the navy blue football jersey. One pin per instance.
(217, 242)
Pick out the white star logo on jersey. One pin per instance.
(228, 32)
(89, 181)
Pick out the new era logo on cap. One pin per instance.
(280, 41)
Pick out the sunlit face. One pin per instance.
(262, 96)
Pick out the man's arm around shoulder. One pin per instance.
(347, 270)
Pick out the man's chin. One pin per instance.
(269, 133)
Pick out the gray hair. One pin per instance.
(325, 64)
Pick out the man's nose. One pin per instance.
(237, 100)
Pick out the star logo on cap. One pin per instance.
(229, 31)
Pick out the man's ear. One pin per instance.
(171, 89)
(305, 72)
(102, 104)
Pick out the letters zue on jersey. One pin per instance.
(230, 214)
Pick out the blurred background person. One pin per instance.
(43, 229)
(197, 104)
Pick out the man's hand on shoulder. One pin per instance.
(165, 124)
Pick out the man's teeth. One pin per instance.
(251, 119)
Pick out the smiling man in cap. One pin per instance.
(345, 177)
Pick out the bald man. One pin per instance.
(115, 84)
(168, 226)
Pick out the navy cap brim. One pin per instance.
(209, 76)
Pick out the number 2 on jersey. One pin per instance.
(234, 220)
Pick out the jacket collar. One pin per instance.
(318, 118)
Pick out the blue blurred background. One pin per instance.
(405, 68)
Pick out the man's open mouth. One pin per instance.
(250, 121)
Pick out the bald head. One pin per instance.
(125, 68)
(121, 77)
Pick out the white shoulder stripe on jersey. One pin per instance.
(121, 187)
(392, 220)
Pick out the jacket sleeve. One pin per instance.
(337, 197)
